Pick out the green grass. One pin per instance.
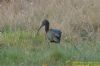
(21, 48)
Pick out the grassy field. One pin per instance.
(77, 19)
(21, 48)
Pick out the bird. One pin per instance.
(53, 35)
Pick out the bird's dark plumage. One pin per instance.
(53, 35)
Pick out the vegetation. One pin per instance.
(20, 19)
(20, 48)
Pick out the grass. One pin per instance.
(21, 48)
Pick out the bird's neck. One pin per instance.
(46, 28)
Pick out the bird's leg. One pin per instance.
(47, 41)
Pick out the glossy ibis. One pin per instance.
(53, 35)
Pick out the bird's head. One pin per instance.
(44, 23)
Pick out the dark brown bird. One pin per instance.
(53, 35)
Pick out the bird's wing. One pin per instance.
(56, 32)
(57, 35)
(54, 35)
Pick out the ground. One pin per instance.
(21, 48)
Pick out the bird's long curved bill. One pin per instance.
(38, 30)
